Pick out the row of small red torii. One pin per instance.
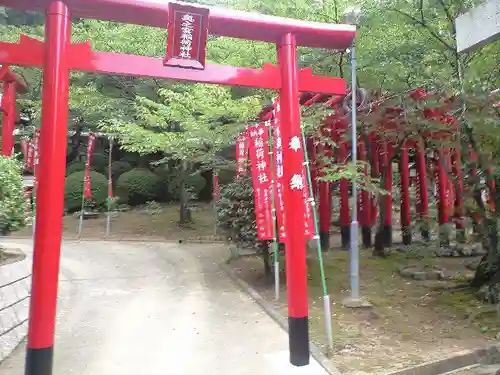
(254, 143)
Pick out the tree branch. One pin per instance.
(450, 18)
(427, 27)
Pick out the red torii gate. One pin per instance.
(57, 56)
(12, 83)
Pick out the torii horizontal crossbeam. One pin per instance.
(30, 52)
(223, 22)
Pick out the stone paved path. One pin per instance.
(156, 309)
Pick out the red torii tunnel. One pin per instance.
(57, 56)
(382, 147)
(12, 83)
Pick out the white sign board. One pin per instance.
(479, 26)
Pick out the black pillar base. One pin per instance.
(39, 361)
(324, 239)
(367, 237)
(345, 235)
(387, 230)
(406, 233)
(298, 335)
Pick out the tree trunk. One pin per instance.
(184, 212)
(74, 145)
(381, 235)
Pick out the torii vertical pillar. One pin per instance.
(404, 173)
(50, 192)
(422, 201)
(9, 117)
(296, 267)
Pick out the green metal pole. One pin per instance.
(275, 227)
(326, 297)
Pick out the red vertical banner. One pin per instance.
(308, 214)
(241, 154)
(36, 140)
(297, 146)
(9, 117)
(30, 155)
(278, 173)
(35, 154)
(87, 190)
(261, 177)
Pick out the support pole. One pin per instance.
(354, 249)
(276, 255)
(296, 267)
(325, 192)
(404, 173)
(9, 117)
(50, 202)
(327, 311)
(344, 188)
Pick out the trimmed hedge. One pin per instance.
(73, 190)
(138, 186)
(99, 162)
(76, 166)
(118, 168)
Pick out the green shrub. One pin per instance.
(76, 166)
(12, 202)
(99, 162)
(138, 186)
(73, 190)
(236, 214)
(194, 184)
(226, 175)
(118, 168)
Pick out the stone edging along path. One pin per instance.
(447, 365)
(15, 283)
(124, 239)
(317, 354)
